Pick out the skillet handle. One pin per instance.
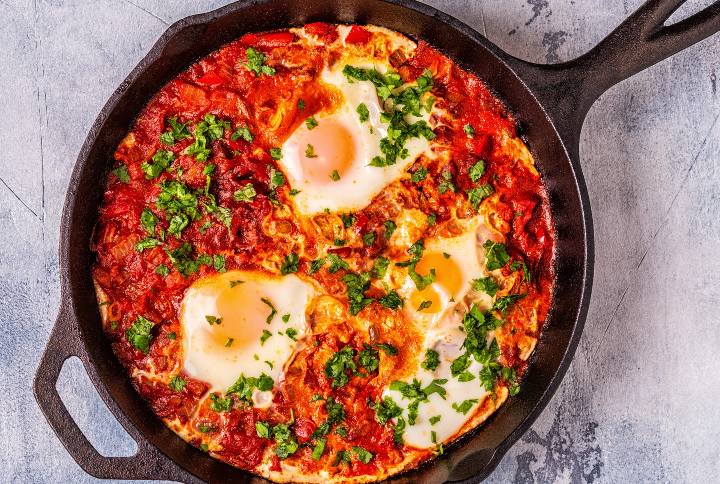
(147, 463)
(569, 89)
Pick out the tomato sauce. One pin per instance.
(221, 85)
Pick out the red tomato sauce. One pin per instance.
(221, 85)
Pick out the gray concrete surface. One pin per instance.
(639, 403)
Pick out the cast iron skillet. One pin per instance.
(550, 103)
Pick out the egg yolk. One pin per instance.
(448, 278)
(241, 314)
(327, 148)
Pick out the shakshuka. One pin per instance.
(324, 253)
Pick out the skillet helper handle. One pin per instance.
(569, 89)
(147, 463)
(644, 40)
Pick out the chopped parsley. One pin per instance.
(391, 300)
(403, 103)
(348, 220)
(177, 383)
(213, 320)
(273, 311)
(386, 409)
(380, 267)
(229, 342)
(466, 376)
(245, 194)
(496, 254)
(319, 449)
(301, 104)
(178, 131)
(121, 172)
(510, 376)
(487, 285)
(291, 333)
(465, 406)
(469, 130)
(504, 303)
(435, 419)
(446, 184)
(363, 455)
(290, 264)
(316, 265)
(339, 364)
(356, 285)
(424, 305)
(236, 283)
(177, 223)
(521, 265)
(336, 263)
(369, 239)
(335, 414)
(243, 132)
(209, 129)
(161, 160)
(262, 429)
(176, 198)
(416, 251)
(478, 194)
(342, 456)
(431, 219)
(390, 228)
(220, 404)
(276, 178)
(477, 326)
(256, 63)
(310, 153)
(387, 348)
(369, 359)
(285, 443)
(276, 154)
(432, 360)
(477, 170)
(335, 176)
(311, 122)
(363, 112)
(147, 243)
(419, 175)
(139, 334)
(264, 337)
(182, 260)
(244, 386)
(218, 262)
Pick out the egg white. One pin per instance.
(443, 334)
(361, 182)
(244, 315)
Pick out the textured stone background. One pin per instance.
(639, 403)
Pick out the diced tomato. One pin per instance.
(248, 39)
(272, 39)
(211, 79)
(276, 39)
(322, 31)
(304, 428)
(358, 35)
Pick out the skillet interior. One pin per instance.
(192, 38)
